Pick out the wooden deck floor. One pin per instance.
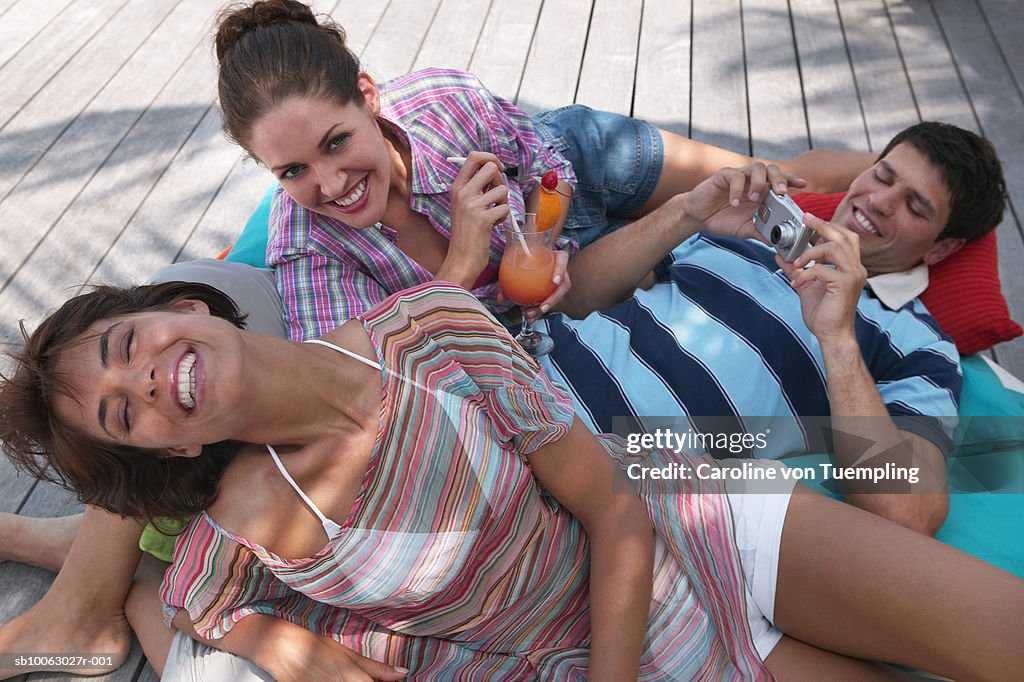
(112, 162)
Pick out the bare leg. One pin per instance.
(794, 661)
(145, 612)
(688, 162)
(856, 584)
(83, 612)
(37, 541)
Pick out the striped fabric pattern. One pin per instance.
(329, 272)
(453, 562)
(723, 345)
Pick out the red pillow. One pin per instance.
(963, 294)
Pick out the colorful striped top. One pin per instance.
(328, 272)
(454, 562)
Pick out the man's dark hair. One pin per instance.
(972, 172)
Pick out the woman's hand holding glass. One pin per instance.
(527, 277)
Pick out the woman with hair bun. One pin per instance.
(371, 201)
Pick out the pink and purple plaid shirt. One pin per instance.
(328, 272)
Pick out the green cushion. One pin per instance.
(159, 539)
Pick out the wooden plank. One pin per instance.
(1007, 22)
(453, 35)
(71, 250)
(830, 94)
(661, 94)
(167, 217)
(553, 64)
(885, 95)
(610, 57)
(778, 125)
(136, 142)
(360, 19)
(72, 92)
(990, 85)
(29, 70)
(933, 75)
(719, 97)
(24, 21)
(22, 585)
(6, 5)
(1010, 354)
(1000, 112)
(227, 214)
(393, 48)
(15, 487)
(501, 52)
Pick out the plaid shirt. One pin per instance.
(328, 272)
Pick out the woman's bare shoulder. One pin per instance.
(257, 503)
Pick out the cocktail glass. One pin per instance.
(527, 267)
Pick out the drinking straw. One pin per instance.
(519, 235)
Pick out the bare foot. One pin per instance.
(48, 629)
(42, 542)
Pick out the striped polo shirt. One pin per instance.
(721, 341)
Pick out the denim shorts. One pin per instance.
(617, 161)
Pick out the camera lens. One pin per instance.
(783, 235)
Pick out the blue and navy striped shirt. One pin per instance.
(722, 343)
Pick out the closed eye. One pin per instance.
(126, 345)
(126, 423)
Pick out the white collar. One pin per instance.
(896, 289)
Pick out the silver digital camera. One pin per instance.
(780, 221)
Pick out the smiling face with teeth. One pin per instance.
(168, 380)
(331, 158)
(898, 208)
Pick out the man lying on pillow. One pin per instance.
(934, 188)
(962, 293)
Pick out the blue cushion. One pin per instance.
(989, 456)
(251, 246)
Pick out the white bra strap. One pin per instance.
(343, 351)
(330, 527)
(355, 356)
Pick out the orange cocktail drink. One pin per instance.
(526, 277)
(526, 272)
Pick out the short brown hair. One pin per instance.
(128, 481)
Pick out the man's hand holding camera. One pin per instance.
(724, 203)
(830, 287)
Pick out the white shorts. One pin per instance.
(758, 518)
(192, 661)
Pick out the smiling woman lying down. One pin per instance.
(430, 500)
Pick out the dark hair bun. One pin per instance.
(236, 21)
